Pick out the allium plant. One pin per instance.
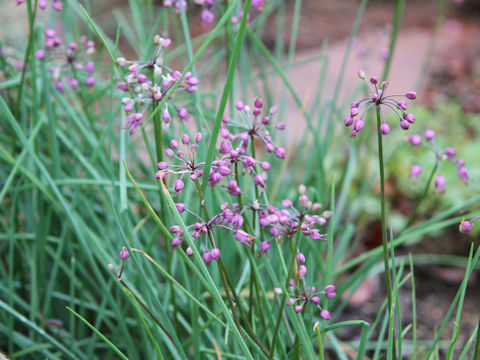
(148, 82)
(69, 64)
(439, 156)
(379, 101)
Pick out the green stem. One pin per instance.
(476, 355)
(284, 297)
(154, 318)
(383, 215)
(227, 283)
(158, 132)
(420, 200)
(397, 19)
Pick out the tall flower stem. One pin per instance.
(388, 281)
(284, 297)
(254, 226)
(227, 283)
(158, 132)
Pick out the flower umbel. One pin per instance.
(377, 99)
(440, 155)
(149, 82)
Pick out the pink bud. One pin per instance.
(411, 95)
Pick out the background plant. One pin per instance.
(77, 188)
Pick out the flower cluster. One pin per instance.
(209, 8)
(289, 220)
(186, 158)
(299, 298)
(229, 219)
(69, 62)
(149, 82)
(439, 155)
(234, 153)
(42, 4)
(377, 99)
(252, 125)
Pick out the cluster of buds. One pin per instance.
(252, 125)
(377, 99)
(229, 219)
(42, 4)
(69, 62)
(299, 298)
(289, 220)
(186, 158)
(467, 225)
(149, 82)
(440, 155)
(207, 16)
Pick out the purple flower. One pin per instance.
(302, 271)
(415, 139)
(207, 257)
(215, 253)
(207, 17)
(264, 247)
(300, 258)
(325, 314)
(124, 254)
(176, 242)
(377, 99)
(465, 226)
(463, 174)
(244, 237)
(440, 183)
(178, 185)
(151, 80)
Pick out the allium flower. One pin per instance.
(69, 63)
(149, 82)
(252, 125)
(299, 298)
(286, 222)
(377, 99)
(229, 219)
(448, 154)
(467, 225)
(124, 254)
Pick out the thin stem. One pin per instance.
(476, 355)
(227, 282)
(158, 131)
(420, 200)
(154, 318)
(383, 215)
(284, 297)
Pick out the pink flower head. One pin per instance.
(123, 254)
(440, 183)
(465, 226)
(178, 185)
(244, 237)
(415, 139)
(325, 314)
(176, 242)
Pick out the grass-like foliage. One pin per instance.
(159, 200)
